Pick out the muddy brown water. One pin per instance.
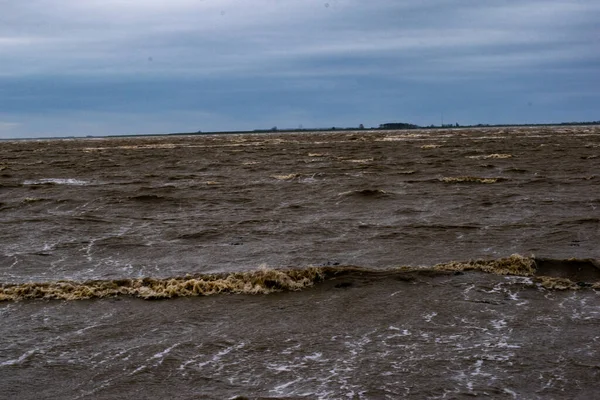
(119, 209)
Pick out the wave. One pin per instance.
(202, 234)
(493, 156)
(470, 179)
(150, 198)
(366, 193)
(287, 177)
(516, 170)
(569, 274)
(56, 181)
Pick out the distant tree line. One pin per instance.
(398, 125)
(390, 126)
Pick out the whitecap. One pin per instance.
(19, 360)
(57, 181)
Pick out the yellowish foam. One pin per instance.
(495, 155)
(265, 281)
(262, 281)
(468, 179)
(513, 265)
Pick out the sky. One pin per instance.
(108, 67)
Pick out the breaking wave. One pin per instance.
(569, 274)
(56, 181)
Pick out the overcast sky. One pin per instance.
(94, 67)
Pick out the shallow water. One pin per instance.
(133, 208)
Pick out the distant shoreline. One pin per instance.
(332, 129)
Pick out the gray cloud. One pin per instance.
(62, 37)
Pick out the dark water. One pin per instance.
(131, 208)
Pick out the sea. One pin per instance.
(372, 264)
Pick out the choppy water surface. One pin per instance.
(135, 211)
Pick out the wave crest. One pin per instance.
(554, 274)
(513, 265)
(262, 281)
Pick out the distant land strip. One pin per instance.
(381, 127)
